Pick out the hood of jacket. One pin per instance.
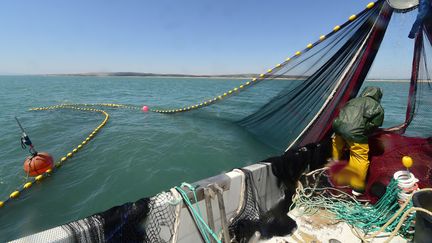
(373, 92)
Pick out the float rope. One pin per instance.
(205, 103)
(132, 107)
(28, 184)
(270, 72)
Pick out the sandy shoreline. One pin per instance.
(201, 77)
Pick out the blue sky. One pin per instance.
(173, 36)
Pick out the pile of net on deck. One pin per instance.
(389, 214)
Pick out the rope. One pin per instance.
(402, 219)
(196, 214)
(405, 215)
(387, 215)
(29, 182)
(270, 72)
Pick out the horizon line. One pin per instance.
(150, 74)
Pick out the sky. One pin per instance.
(173, 36)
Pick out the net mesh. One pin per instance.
(86, 231)
(420, 104)
(247, 221)
(293, 107)
(161, 219)
(146, 220)
(291, 104)
(254, 217)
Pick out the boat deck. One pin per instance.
(318, 228)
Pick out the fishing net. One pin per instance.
(146, 220)
(420, 101)
(253, 217)
(293, 107)
(314, 194)
(288, 168)
(419, 89)
(159, 226)
(294, 103)
(87, 230)
(388, 146)
(387, 150)
(119, 224)
(247, 221)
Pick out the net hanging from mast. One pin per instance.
(294, 103)
(420, 93)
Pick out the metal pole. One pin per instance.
(209, 210)
(19, 124)
(224, 222)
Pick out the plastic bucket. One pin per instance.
(423, 225)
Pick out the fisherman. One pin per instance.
(424, 10)
(358, 119)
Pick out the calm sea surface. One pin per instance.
(136, 155)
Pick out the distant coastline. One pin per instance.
(172, 75)
(220, 76)
(247, 76)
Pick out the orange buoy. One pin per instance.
(37, 165)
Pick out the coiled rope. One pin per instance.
(387, 215)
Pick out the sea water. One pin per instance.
(135, 155)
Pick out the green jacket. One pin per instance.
(360, 116)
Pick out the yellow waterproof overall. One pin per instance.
(354, 174)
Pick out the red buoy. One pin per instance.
(39, 164)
